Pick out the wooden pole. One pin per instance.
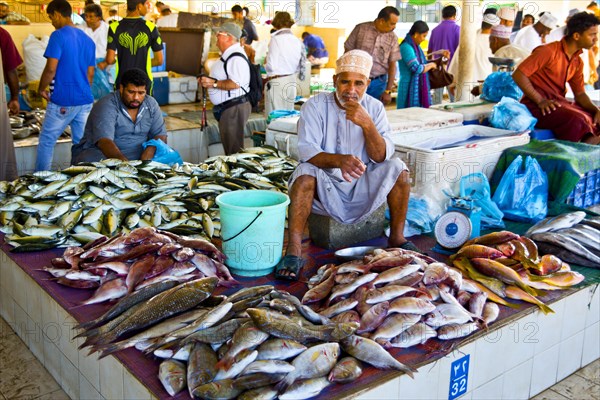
(470, 21)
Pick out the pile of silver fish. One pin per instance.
(400, 298)
(27, 123)
(572, 237)
(128, 263)
(256, 343)
(80, 203)
(506, 265)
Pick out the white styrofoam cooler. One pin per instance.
(282, 133)
(472, 112)
(433, 168)
(417, 118)
(182, 89)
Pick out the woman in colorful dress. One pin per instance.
(413, 88)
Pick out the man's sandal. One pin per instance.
(408, 245)
(291, 264)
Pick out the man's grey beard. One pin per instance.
(343, 102)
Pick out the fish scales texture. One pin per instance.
(178, 299)
(372, 353)
(314, 362)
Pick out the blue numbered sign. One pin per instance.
(459, 377)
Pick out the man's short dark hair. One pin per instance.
(237, 9)
(580, 23)
(305, 34)
(136, 77)
(529, 16)
(94, 9)
(386, 12)
(165, 11)
(159, 3)
(448, 12)
(490, 10)
(61, 6)
(132, 4)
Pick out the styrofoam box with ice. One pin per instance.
(438, 158)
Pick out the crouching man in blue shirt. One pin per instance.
(121, 122)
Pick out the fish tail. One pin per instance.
(409, 371)
(89, 341)
(527, 289)
(230, 283)
(545, 309)
(284, 384)
(86, 325)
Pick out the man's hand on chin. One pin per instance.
(357, 113)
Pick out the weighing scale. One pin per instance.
(461, 222)
(503, 64)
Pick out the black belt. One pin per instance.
(379, 77)
(233, 102)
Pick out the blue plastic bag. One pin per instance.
(100, 85)
(498, 85)
(420, 217)
(281, 114)
(477, 187)
(164, 154)
(512, 115)
(522, 195)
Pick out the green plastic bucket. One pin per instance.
(252, 225)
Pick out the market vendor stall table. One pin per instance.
(504, 360)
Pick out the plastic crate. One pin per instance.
(587, 190)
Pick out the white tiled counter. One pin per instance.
(516, 359)
(47, 329)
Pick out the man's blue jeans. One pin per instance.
(377, 86)
(56, 120)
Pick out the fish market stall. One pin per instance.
(543, 348)
(130, 228)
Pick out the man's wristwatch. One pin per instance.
(215, 84)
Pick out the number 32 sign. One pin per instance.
(459, 377)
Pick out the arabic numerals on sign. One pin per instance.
(459, 377)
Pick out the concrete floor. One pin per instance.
(23, 377)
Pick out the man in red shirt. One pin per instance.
(543, 76)
(9, 61)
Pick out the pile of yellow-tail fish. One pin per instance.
(129, 262)
(400, 298)
(79, 204)
(506, 265)
(256, 343)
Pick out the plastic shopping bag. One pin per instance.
(523, 194)
(164, 154)
(498, 85)
(477, 187)
(512, 115)
(100, 85)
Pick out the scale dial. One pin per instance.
(453, 229)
